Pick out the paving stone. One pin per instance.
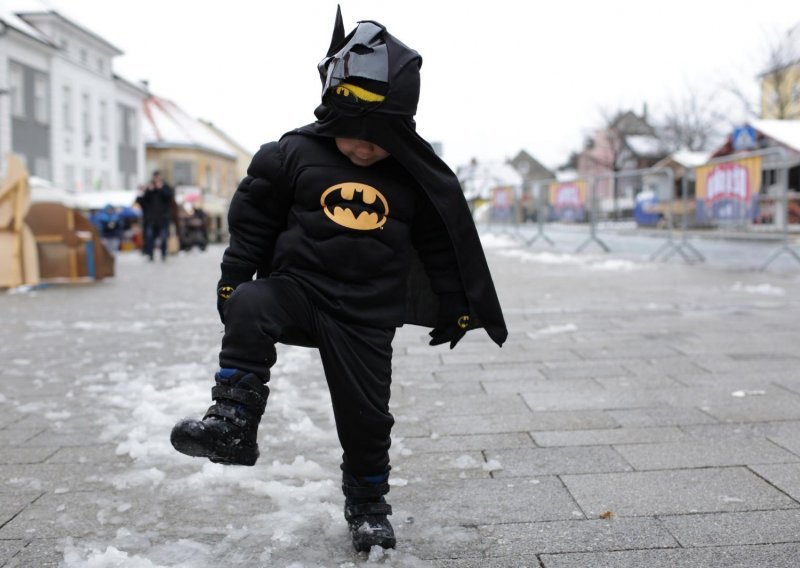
(16, 436)
(21, 455)
(470, 405)
(540, 385)
(747, 430)
(473, 501)
(660, 416)
(12, 503)
(623, 398)
(575, 536)
(8, 548)
(674, 492)
(584, 370)
(783, 406)
(39, 553)
(610, 436)
(467, 443)
(87, 454)
(638, 382)
(446, 465)
(675, 455)
(720, 529)
(533, 421)
(785, 477)
(776, 556)
(50, 476)
(524, 462)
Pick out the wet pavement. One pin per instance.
(641, 414)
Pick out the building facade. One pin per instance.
(66, 114)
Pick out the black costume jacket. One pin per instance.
(367, 243)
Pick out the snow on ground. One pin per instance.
(151, 363)
(302, 502)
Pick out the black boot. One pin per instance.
(227, 434)
(365, 510)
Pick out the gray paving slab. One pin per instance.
(524, 462)
(467, 443)
(652, 416)
(21, 455)
(443, 465)
(474, 501)
(41, 553)
(775, 556)
(8, 548)
(675, 492)
(540, 385)
(674, 455)
(731, 529)
(532, 421)
(509, 540)
(785, 477)
(610, 436)
(473, 404)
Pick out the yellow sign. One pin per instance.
(729, 181)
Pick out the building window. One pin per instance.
(16, 76)
(182, 173)
(87, 178)
(84, 57)
(41, 98)
(66, 107)
(68, 144)
(86, 124)
(127, 126)
(101, 65)
(103, 120)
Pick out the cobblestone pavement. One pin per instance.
(640, 414)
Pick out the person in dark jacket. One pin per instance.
(353, 227)
(156, 203)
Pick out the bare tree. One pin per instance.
(693, 122)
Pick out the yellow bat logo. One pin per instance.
(355, 206)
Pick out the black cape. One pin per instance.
(398, 136)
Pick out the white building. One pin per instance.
(64, 111)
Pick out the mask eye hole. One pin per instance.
(361, 49)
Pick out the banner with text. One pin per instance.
(729, 191)
(503, 203)
(568, 200)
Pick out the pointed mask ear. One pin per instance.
(338, 32)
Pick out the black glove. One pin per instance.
(226, 285)
(453, 321)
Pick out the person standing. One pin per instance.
(156, 202)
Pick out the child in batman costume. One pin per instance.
(353, 226)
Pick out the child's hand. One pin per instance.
(453, 321)
(224, 292)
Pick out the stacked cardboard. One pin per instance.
(19, 265)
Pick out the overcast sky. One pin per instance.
(498, 75)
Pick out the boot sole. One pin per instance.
(190, 445)
(365, 544)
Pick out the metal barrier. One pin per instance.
(757, 211)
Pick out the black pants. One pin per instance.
(357, 361)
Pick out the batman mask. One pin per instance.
(370, 70)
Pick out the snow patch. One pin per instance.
(553, 330)
(761, 289)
